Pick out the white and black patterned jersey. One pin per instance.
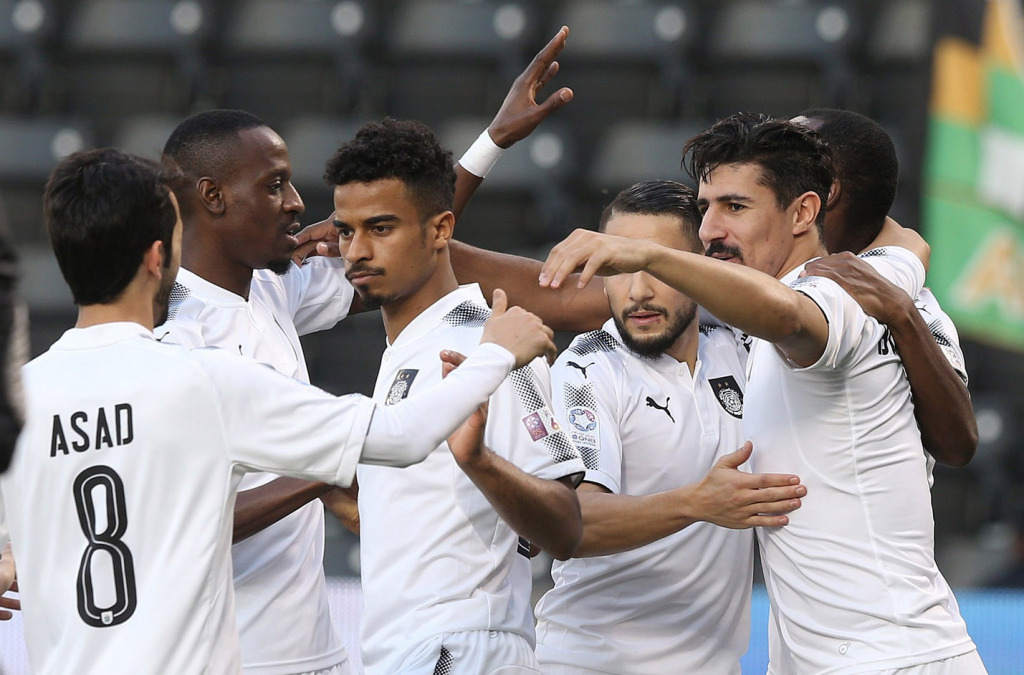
(852, 578)
(279, 575)
(129, 463)
(435, 556)
(646, 425)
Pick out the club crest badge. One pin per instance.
(400, 386)
(729, 395)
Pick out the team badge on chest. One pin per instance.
(400, 386)
(729, 394)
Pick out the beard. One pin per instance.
(280, 267)
(653, 346)
(162, 301)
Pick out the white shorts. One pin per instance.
(478, 652)
(965, 664)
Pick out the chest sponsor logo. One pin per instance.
(541, 424)
(582, 369)
(400, 386)
(651, 403)
(729, 394)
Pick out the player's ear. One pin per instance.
(153, 258)
(834, 193)
(441, 228)
(805, 212)
(210, 195)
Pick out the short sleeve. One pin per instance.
(943, 331)
(583, 394)
(522, 426)
(898, 265)
(846, 320)
(319, 295)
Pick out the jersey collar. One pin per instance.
(426, 320)
(206, 290)
(102, 335)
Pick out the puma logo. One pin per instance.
(651, 403)
(582, 369)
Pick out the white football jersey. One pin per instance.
(279, 577)
(120, 498)
(645, 425)
(852, 578)
(435, 556)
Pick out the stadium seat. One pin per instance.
(627, 59)
(778, 57)
(454, 58)
(281, 58)
(524, 202)
(26, 28)
(145, 135)
(123, 57)
(311, 142)
(631, 152)
(29, 150)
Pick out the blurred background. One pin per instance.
(942, 76)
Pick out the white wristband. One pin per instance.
(481, 156)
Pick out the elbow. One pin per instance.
(568, 544)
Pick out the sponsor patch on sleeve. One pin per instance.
(541, 423)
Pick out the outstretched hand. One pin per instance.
(317, 239)
(732, 498)
(593, 253)
(520, 113)
(519, 331)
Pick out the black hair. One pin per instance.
(865, 164)
(202, 144)
(793, 159)
(658, 198)
(103, 209)
(405, 150)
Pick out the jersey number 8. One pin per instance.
(108, 541)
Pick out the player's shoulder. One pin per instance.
(599, 342)
(466, 314)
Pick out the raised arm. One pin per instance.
(516, 119)
(727, 497)
(744, 298)
(942, 403)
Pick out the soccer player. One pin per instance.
(119, 500)
(654, 401)
(444, 546)
(852, 578)
(240, 211)
(867, 172)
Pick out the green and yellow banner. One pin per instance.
(974, 171)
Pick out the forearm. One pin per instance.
(565, 308)
(546, 512)
(613, 523)
(742, 297)
(261, 507)
(942, 403)
(466, 184)
(405, 433)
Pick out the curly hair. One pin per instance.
(405, 150)
(793, 159)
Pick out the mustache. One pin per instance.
(718, 246)
(643, 307)
(362, 269)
